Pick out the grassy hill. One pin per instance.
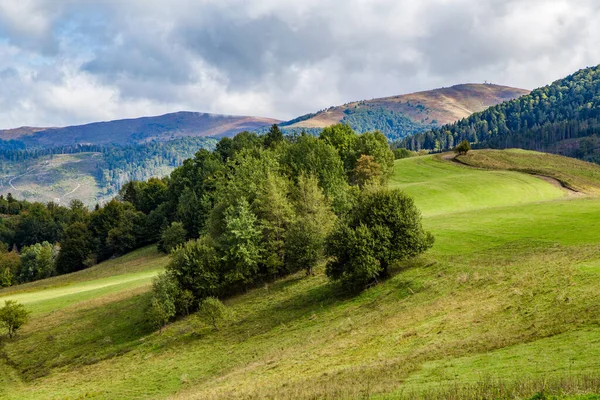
(398, 116)
(503, 306)
(137, 130)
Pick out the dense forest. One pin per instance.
(562, 118)
(365, 118)
(256, 208)
(394, 124)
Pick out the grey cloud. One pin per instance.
(274, 58)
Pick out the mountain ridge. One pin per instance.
(562, 117)
(434, 107)
(138, 130)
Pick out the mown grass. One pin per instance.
(440, 187)
(576, 174)
(505, 305)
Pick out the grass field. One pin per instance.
(505, 305)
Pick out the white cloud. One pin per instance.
(65, 61)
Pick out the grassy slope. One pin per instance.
(60, 179)
(443, 105)
(575, 174)
(131, 271)
(508, 292)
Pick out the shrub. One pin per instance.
(13, 316)
(462, 148)
(213, 311)
(403, 153)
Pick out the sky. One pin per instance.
(65, 62)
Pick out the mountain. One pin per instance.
(399, 116)
(91, 162)
(562, 118)
(136, 130)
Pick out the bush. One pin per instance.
(462, 148)
(403, 153)
(213, 311)
(383, 227)
(13, 316)
(172, 236)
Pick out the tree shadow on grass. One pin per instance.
(309, 303)
(84, 337)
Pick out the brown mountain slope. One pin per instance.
(432, 107)
(138, 130)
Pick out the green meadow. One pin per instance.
(505, 305)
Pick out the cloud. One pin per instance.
(65, 61)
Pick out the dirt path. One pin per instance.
(72, 191)
(553, 181)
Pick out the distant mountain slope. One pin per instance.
(137, 130)
(90, 173)
(399, 116)
(562, 118)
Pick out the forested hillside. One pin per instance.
(403, 115)
(130, 131)
(562, 118)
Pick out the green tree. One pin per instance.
(273, 136)
(383, 227)
(354, 259)
(275, 214)
(75, 248)
(375, 144)
(343, 138)
(10, 263)
(462, 148)
(37, 262)
(367, 172)
(213, 311)
(240, 244)
(117, 228)
(311, 156)
(196, 266)
(13, 316)
(172, 236)
(304, 245)
(165, 293)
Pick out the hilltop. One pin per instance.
(503, 306)
(137, 130)
(562, 118)
(398, 116)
